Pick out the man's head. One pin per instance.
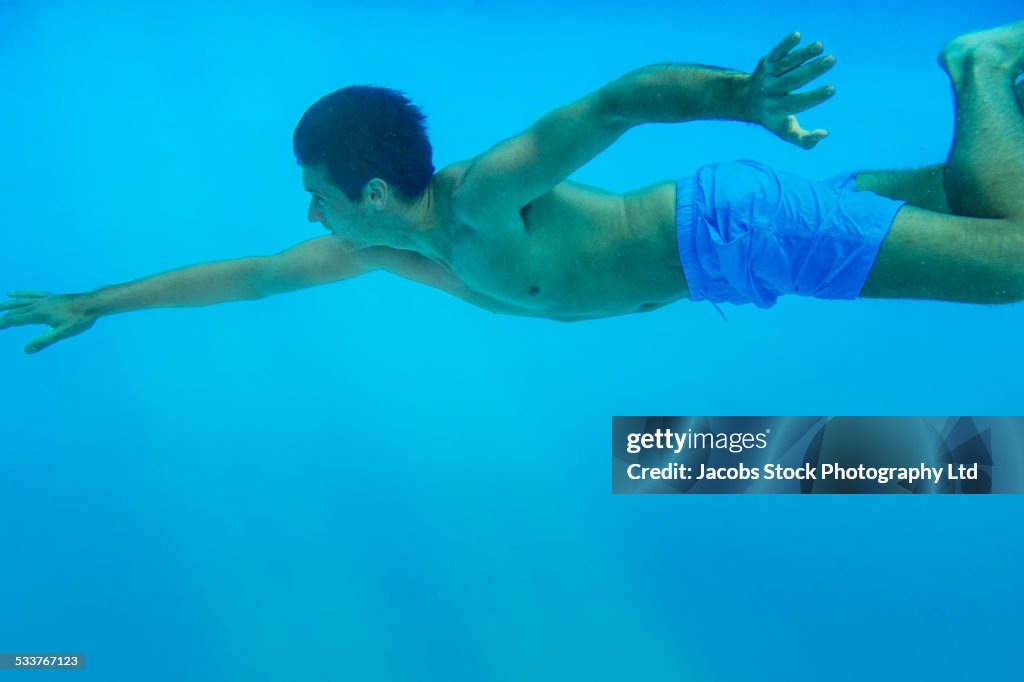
(358, 135)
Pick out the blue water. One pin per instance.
(370, 480)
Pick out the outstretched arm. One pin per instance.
(313, 262)
(510, 175)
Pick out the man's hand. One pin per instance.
(63, 312)
(770, 95)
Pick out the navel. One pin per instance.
(534, 290)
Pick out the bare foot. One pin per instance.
(1001, 47)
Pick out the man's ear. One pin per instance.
(377, 193)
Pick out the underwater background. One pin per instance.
(371, 480)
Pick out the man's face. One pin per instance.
(330, 207)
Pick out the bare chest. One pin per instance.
(582, 252)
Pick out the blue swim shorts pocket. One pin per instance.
(735, 247)
(742, 261)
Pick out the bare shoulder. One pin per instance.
(449, 179)
(467, 204)
(449, 191)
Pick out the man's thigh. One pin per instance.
(921, 187)
(942, 257)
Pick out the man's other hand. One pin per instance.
(770, 92)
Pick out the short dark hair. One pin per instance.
(363, 132)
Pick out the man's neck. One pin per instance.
(424, 230)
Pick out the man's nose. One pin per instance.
(314, 214)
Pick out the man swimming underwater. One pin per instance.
(508, 232)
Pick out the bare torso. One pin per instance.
(588, 253)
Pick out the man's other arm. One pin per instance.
(510, 175)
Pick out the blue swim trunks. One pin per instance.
(749, 234)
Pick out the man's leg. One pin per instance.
(921, 187)
(935, 256)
